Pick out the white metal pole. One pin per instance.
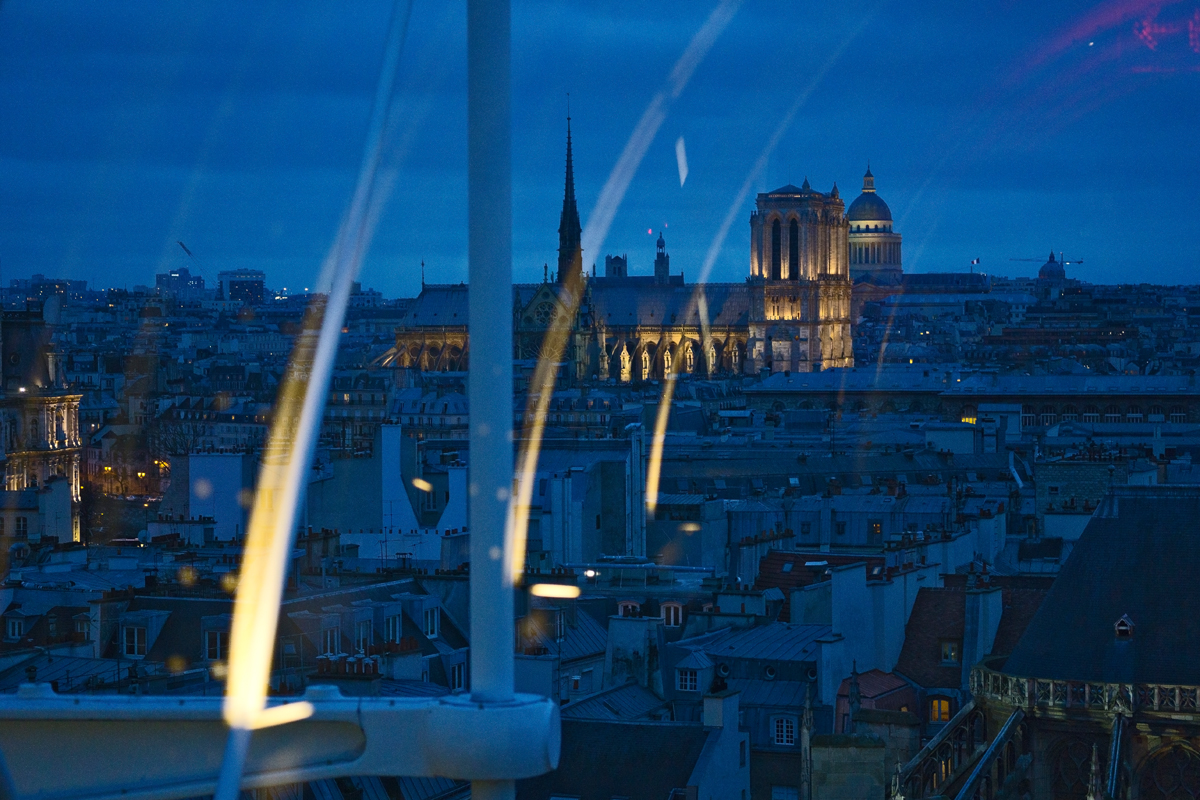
(489, 383)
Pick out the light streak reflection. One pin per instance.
(541, 388)
(289, 452)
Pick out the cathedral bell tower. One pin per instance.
(799, 282)
(570, 233)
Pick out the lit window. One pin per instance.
(214, 645)
(433, 622)
(784, 731)
(686, 680)
(951, 653)
(135, 641)
(939, 710)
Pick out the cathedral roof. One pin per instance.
(1136, 559)
(619, 306)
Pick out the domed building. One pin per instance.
(1051, 278)
(874, 245)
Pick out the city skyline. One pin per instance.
(1024, 129)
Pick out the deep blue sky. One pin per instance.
(995, 130)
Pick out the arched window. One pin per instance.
(1133, 414)
(1091, 414)
(1028, 416)
(712, 359)
(776, 250)
(689, 360)
(667, 361)
(672, 614)
(1178, 414)
(1069, 414)
(794, 249)
(1112, 413)
(1049, 416)
(645, 366)
(628, 608)
(1156, 414)
(1071, 765)
(1172, 772)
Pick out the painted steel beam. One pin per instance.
(128, 747)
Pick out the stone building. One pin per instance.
(792, 312)
(874, 245)
(1098, 698)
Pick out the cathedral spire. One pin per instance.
(570, 233)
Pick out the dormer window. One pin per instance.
(135, 640)
(1124, 627)
(433, 622)
(672, 614)
(629, 608)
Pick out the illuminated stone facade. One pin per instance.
(792, 313)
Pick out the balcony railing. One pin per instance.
(1105, 698)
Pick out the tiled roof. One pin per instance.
(774, 573)
(937, 615)
(873, 683)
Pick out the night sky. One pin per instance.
(994, 130)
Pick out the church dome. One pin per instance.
(1052, 270)
(868, 206)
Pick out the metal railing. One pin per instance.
(1105, 698)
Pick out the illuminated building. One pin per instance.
(874, 245)
(792, 314)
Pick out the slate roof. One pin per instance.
(180, 634)
(628, 701)
(778, 641)
(772, 694)
(1137, 557)
(728, 304)
(584, 639)
(937, 614)
(602, 760)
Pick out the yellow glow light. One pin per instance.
(557, 590)
(282, 715)
(422, 484)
